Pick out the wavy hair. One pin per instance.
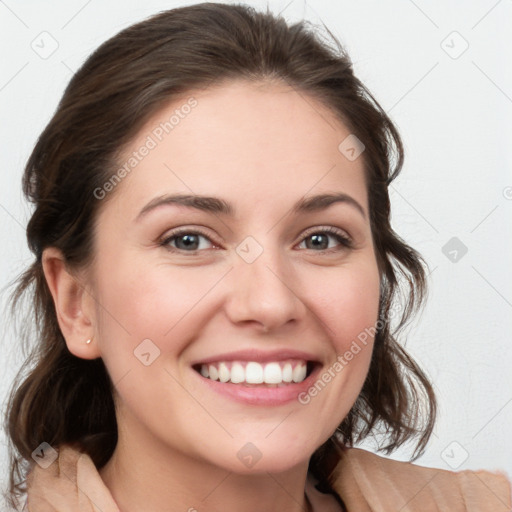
(59, 398)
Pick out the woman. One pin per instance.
(215, 278)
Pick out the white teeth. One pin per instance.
(273, 374)
(237, 373)
(214, 374)
(287, 373)
(299, 373)
(251, 372)
(223, 372)
(254, 373)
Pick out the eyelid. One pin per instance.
(165, 239)
(326, 229)
(344, 238)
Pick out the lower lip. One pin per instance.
(261, 395)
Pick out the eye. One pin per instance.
(186, 240)
(318, 240)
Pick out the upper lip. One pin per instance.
(259, 356)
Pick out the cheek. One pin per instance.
(139, 302)
(347, 303)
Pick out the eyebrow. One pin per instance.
(220, 206)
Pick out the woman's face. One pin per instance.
(260, 281)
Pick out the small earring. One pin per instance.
(88, 341)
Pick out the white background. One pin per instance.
(454, 115)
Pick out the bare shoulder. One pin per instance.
(372, 482)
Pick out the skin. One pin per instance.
(261, 147)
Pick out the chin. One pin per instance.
(270, 456)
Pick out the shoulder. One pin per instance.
(368, 482)
(69, 482)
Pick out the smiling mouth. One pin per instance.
(255, 374)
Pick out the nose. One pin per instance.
(263, 293)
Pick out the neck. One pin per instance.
(144, 477)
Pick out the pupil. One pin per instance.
(317, 241)
(189, 241)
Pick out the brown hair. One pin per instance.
(59, 398)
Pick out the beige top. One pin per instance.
(370, 483)
(366, 483)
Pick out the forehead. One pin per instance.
(257, 144)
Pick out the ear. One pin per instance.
(73, 304)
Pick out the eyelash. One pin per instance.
(344, 240)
